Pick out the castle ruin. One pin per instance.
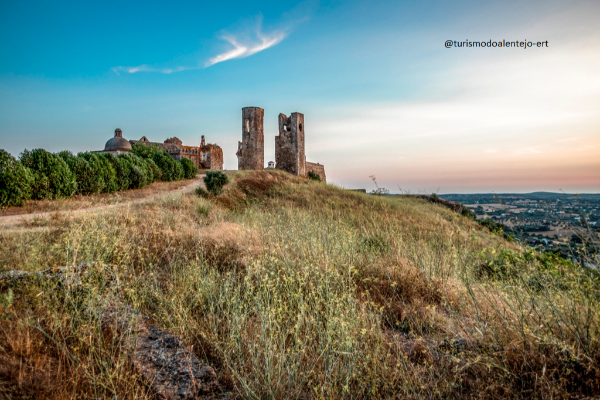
(205, 156)
(289, 144)
(251, 150)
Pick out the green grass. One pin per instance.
(291, 288)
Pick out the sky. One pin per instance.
(381, 94)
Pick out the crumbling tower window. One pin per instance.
(300, 127)
(247, 126)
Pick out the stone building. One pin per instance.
(251, 150)
(211, 156)
(289, 145)
(318, 169)
(117, 145)
(205, 156)
(289, 148)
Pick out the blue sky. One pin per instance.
(380, 92)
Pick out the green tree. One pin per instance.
(189, 169)
(167, 165)
(109, 174)
(214, 182)
(122, 168)
(179, 172)
(140, 174)
(52, 177)
(103, 170)
(15, 181)
(145, 150)
(156, 172)
(87, 178)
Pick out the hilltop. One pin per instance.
(290, 288)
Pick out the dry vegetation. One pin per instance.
(296, 289)
(78, 202)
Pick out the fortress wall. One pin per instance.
(318, 169)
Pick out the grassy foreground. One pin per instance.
(297, 289)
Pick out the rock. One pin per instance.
(171, 370)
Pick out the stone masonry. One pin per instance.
(289, 148)
(205, 156)
(318, 169)
(251, 150)
(211, 156)
(289, 145)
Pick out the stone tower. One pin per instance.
(289, 145)
(251, 150)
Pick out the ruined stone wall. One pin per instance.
(251, 151)
(191, 152)
(204, 156)
(318, 169)
(212, 157)
(289, 145)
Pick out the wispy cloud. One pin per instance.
(244, 45)
(146, 68)
(244, 50)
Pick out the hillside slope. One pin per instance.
(294, 289)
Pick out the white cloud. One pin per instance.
(145, 68)
(244, 50)
(249, 45)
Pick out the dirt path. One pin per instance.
(12, 221)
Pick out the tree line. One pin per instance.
(39, 174)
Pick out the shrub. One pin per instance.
(179, 173)
(189, 169)
(493, 226)
(15, 181)
(167, 165)
(87, 180)
(214, 182)
(200, 191)
(122, 168)
(52, 176)
(156, 172)
(140, 173)
(104, 169)
(146, 151)
(465, 212)
(314, 176)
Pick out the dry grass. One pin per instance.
(80, 202)
(296, 289)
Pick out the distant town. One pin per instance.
(557, 222)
